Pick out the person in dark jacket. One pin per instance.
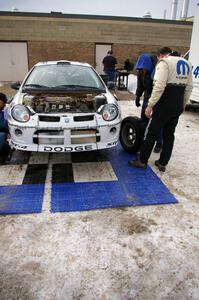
(4, 146)
(109, 63)
(172, 88)
(145, 66)
(128, 65)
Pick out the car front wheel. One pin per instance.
(131, 134)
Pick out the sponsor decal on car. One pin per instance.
(67, 149)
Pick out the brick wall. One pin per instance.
(52, 38)
(132, 52)
(45, 50)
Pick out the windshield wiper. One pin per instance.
(34, 85)
(76, 87)
(37, 88)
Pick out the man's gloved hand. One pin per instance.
(137, 101)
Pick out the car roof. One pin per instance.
(62, 62)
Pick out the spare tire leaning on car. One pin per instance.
(132, 134)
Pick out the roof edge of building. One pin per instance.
(93, 17)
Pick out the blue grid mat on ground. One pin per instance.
(134, 187)
(20, 199)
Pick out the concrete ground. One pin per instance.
(146, 252)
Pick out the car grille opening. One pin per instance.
(83, 118)
(57, 137)
(48, 137)
(83, 136)
(49, 118)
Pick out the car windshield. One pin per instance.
(64, 76)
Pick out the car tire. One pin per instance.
(131, 134)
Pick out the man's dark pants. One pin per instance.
(160, 120)
(111, 75)
(4, 147)
(146, 121)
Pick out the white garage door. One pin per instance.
(13, 61)
(100, 52)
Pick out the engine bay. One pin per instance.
(64, 103)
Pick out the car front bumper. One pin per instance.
(65, 133)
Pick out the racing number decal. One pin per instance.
(196, 72)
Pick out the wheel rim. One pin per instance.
(129, 134)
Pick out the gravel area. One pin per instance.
(147, 252)
(6, 89)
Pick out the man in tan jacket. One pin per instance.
(171, 91)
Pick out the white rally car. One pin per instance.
(63, 106)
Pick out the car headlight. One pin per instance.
(20, 113)
(110, 112)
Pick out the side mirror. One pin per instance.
(15, 85)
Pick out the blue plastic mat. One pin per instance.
(134, 187)
(21, 199)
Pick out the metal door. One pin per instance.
(100, 52)
(13, 61)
